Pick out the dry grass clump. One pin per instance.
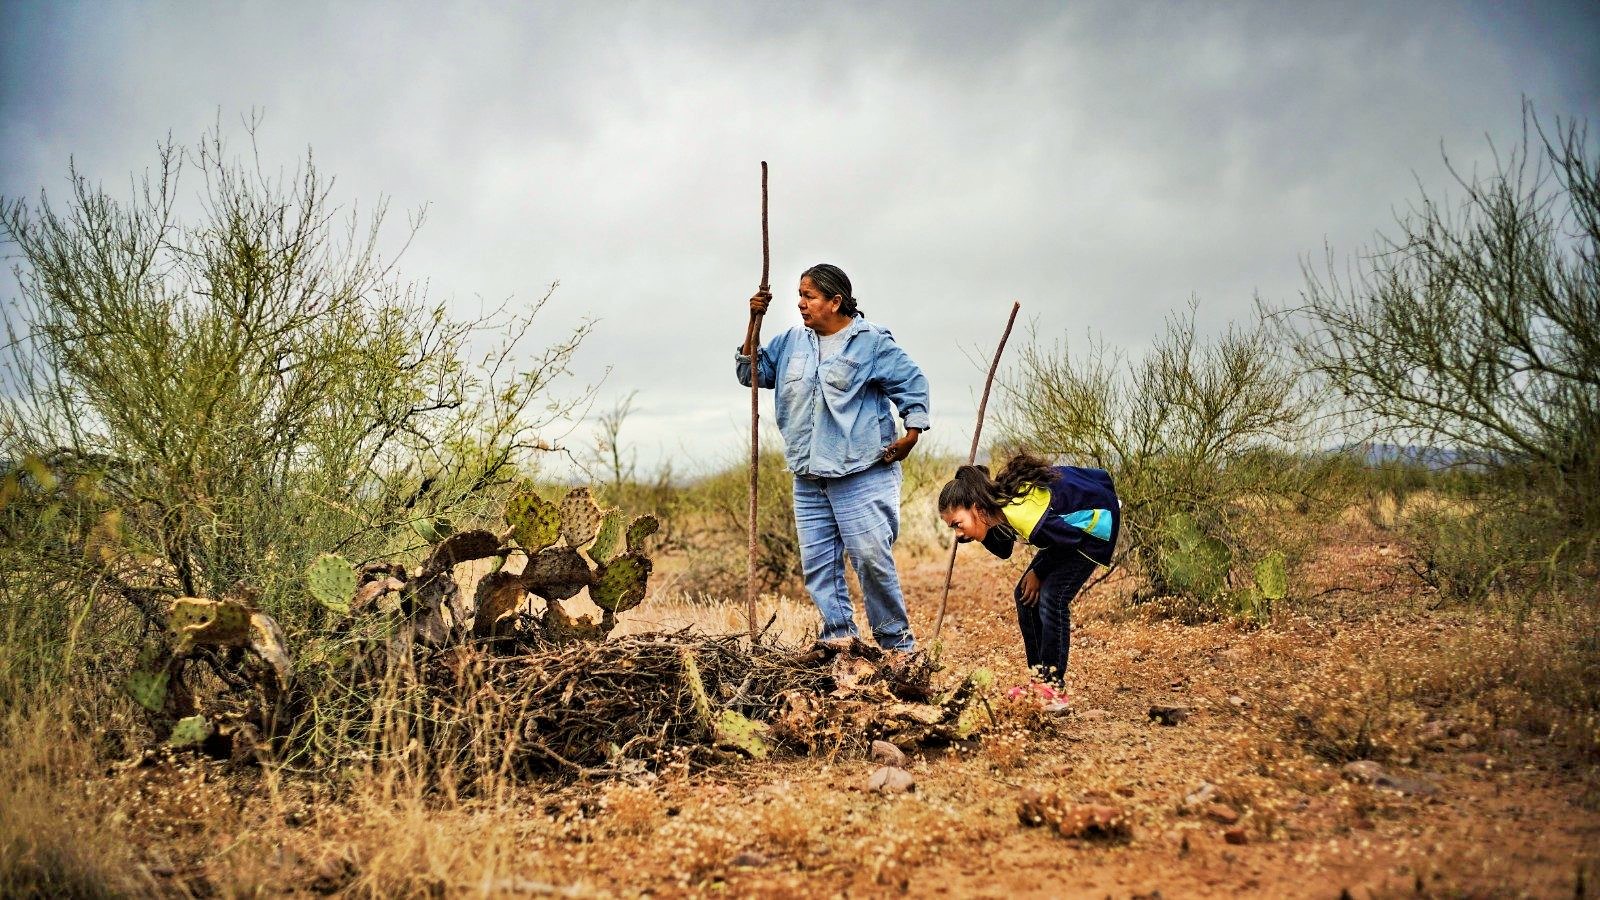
(55, 840)
(1388, 692)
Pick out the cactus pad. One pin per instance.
(433, 529)
(147, 683)
(639, 529)
(619, 585)
(332, 582)
(609, 536)
(189, 732)
(195, 620)
(580, 517)
(1272, 576)
(556, 573)
(534, 523)
(462, 547)
(498, 594)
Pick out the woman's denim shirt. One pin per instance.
(838, 423)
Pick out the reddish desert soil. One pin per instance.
(1511, 814)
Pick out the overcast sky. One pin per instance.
(1100, 162)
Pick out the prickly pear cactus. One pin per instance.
(534, 522)
(333, 582)
(498, 595)
(608, 537)
(638, 530)
(147, 683)
(580, 517)
(556, 573)
(620, 584)
(1193, 562)
(1272, 576)
(190, 732)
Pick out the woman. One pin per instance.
(836, 376)
(1071, 514)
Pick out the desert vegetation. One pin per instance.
(292, 600)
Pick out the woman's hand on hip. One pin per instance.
(902, 448)
(1030, 588)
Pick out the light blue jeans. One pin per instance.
(858, 515)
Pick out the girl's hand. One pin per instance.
(1030, 588)
(902, 448)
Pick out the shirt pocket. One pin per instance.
(842, 373)
(796, 369)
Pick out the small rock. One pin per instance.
(1236, 836)
(1365, 771)
(1057, 709)
(1237, 701)
(1169, 715)
(1095, 715)
(891, 780)
(1223, 813)
(1406, 784)
(1199, 797)
(1466, 740)
(888, 754)
(1431, 733)
(749, 859)
(1072, 820)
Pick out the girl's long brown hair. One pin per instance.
(973, 488)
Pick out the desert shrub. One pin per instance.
(196, 404)
(1209, 444)
(1476, 327)
(715, 512)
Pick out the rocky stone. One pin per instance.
(1237, 701)
(1432, 733)
(1057, 709)
(1365, 771)
(1198, 798)
(891, 780)
(1466, 740)
(1406, 784)
(888, 754)
(1169, 715)
(1223, 813)
(1236, 836)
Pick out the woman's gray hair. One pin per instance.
(832, 281)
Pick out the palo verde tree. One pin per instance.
(230, 375)
(1475, 325)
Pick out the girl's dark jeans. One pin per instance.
(1047, 625)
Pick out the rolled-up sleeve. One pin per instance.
(767, 368)
(903, 383)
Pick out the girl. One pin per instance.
(1071, 514)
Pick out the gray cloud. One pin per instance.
(1099, 163)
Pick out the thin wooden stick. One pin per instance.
(752, 349)
(972, 457)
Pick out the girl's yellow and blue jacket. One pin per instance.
(1079, 511)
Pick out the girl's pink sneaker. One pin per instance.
(1039, 691)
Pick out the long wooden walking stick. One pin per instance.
(752, 349)
(972, 457)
